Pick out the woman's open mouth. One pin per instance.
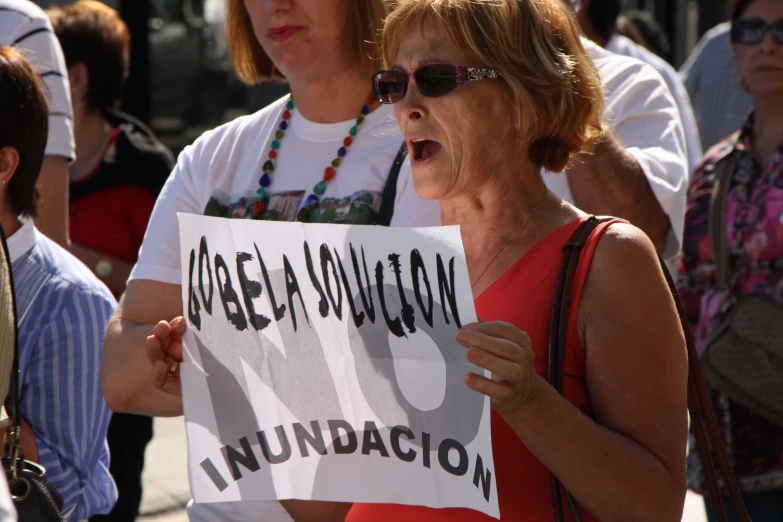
(423, 150)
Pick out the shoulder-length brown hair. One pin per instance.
(535, 46)
(252, 64)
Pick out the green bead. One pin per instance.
(320, 188)
(261, 193)
(360, 119)
(303, 215)
(279, 135)
(336, 162)
(290, 105)
(275, 144)
(268, 167)
(354, 130)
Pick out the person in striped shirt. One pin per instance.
(24, 26)
(62, 313)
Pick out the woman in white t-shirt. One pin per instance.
(320, 155)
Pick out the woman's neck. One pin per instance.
(336, 98)
(767, 125)
(91, 134)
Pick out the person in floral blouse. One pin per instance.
(754, 228)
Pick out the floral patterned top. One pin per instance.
(754, 228)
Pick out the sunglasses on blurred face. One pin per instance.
(432, 80)
(753, 31)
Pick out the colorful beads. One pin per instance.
(336, 162)
(272, 154)
(261, 193)
(290, 104)
(312, 201)
(258, 208)
(275, 144)
(341, 151)
(320, 188)
(329, 173)
(279, 135)
(354, 130)
(283, 125)
(286, 115)
(268, 167)
(347, 141)
(359, 119)
(303, 215)
(366, 110)
(265, 181)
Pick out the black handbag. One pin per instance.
(709, 443)
(35, 499)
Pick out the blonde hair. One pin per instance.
(252, 64)
(535, 45)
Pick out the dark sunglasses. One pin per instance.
(432, 80)
(753, 31)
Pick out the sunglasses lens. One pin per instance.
(436, 80)
(389, 86)
(777, 31)
(748, 31)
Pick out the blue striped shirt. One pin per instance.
(63, 310)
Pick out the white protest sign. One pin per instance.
(321, 363)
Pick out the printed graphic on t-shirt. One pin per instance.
(359, 208)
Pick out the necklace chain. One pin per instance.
(511, 238)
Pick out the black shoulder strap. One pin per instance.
(390, 190)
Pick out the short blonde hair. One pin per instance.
(252, 64)
(536, 47)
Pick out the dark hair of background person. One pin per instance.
(655, 38)
(603, 16)
(93, 34)
(739, 8)
(24, 125)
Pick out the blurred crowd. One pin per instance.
(89, 197)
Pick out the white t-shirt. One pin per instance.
(219, 175)
(25, 26)
(7, 509)
(621, 45)
(644, 117)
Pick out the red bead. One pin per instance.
(329, 173)
(347, 141)
(258, 208)
(370, 100)
(286, 115)
(272, 154)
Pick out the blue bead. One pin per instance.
(341, 152)
(265, 180)
(312, 200)
(366, 110)
(283, 125)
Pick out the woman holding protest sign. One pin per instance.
(323, 154)
(481, 119)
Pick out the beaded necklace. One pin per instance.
(330, 172)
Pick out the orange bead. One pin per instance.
(272, 154)
(371, 100)
(258, 208)
(329, 173)
(286, 115)
(347, 141)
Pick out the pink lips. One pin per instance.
(283, 32)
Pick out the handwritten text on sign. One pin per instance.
(325, 366)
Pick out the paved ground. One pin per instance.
(166, 479)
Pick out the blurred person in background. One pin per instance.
(119, 171)
(749, 163)
(62, 312)
(649, 33)
(720, 102)
(328, 144)
(25, 26)
(598, 19)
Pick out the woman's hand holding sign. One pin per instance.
(507, 352)
(164, 349)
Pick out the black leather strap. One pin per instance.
(390, 190)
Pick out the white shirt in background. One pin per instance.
(619, 44)
(26, 27)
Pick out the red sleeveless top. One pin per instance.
(522, 296)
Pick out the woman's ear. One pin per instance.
(9, 162)
(79, 79)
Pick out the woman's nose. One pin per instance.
(769, 44)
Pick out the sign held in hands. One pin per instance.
(321, 364)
